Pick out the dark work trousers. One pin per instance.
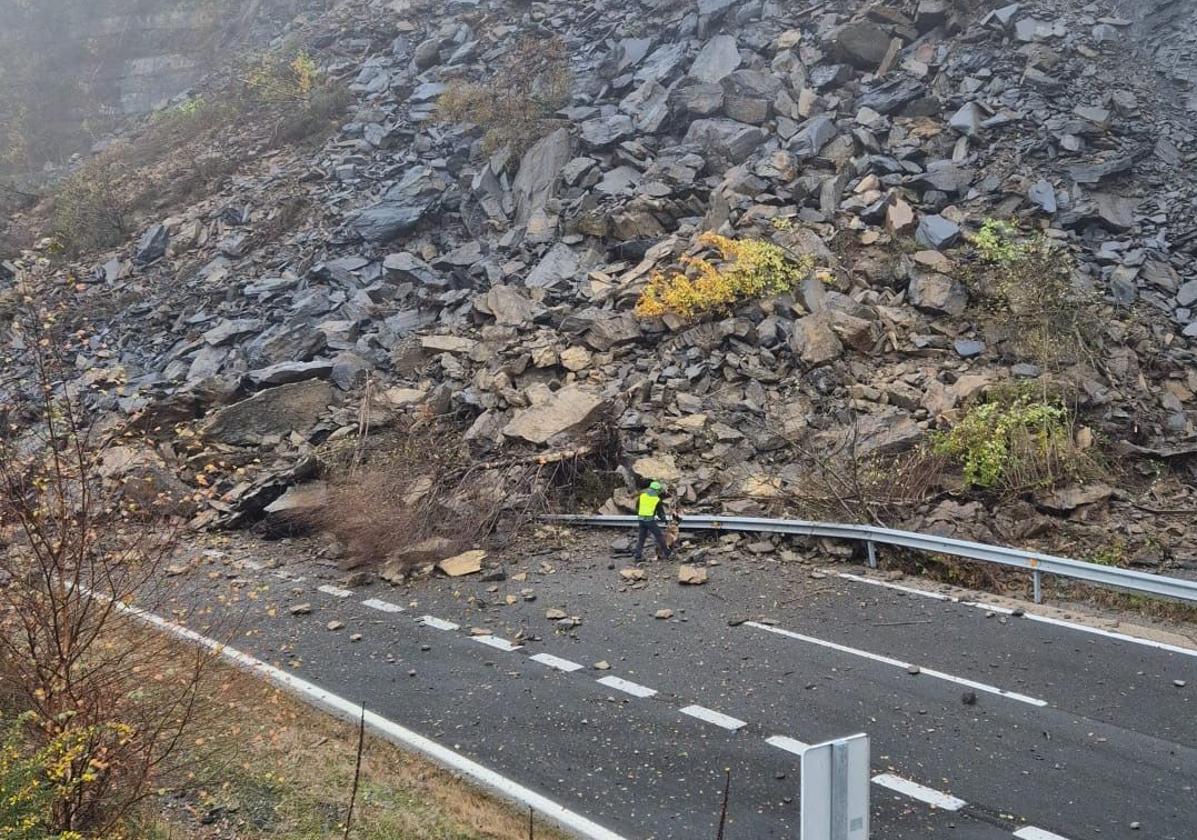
(651, 526)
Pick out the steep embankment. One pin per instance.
(464, 278)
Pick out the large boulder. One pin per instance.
(539, 174)
(815, 341)
(861, 43)
(570, 410)
(727, 141)
(273, 412)
(717, 58)
(937, 293)
(401, 207)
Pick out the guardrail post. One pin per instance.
(1038, 586)
(872, 554)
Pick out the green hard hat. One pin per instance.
(656, 485)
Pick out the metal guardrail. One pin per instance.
(1034, 562)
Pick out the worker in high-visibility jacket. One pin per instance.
(650, 512)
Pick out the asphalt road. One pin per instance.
(1071, 734)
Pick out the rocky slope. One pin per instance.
(499, 288)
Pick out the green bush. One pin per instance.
(1034, 300)
(91, 212)
(1016, 445)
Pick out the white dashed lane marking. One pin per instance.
(784, 742)
(497, 643)
(556, 662)
(717, 718)
(382, 606)
(335, 591)
(438, 623)
(1032, 833)
(898, 663)
(627, 687)
(934, 798)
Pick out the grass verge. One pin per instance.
(276, 769)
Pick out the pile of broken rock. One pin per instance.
(873, 136)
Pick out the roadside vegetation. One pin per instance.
(1014, 442)
(272, 768)
(1031, 294)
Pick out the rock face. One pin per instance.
(134, 56)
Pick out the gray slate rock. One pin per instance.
(717, 58)
(152, 245)
(273, 412)
(726, 140)
(937, 293)
(937, 232)
(861, 43)
(401, 207)
(286, 372)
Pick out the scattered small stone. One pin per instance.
(914, 670)
(554, 614)
(301, 609)
(335, 625)
(602, 665)
(663, 615)
(356, 637)
(691, 575)
(632, 573)
(1179, 683)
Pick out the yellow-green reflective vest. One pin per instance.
(648, 505)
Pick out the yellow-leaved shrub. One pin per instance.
(748, 269)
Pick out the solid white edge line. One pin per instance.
(711, 716)
(898, 663)
(1112, 634)
(347, 710)
(497, 643)
(1030, 832)
(556, 662)
(1057, 622)
(335, 591)
(627, 686)
(784, 742)
(382, 606)
(934, 798)
(438, 623)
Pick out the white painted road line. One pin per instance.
(1110, 634)
(438, 623)
(788, 744)
(346, 710)
(898, 663)
(914, 790)
(627, 687)
(335, 591)
(1032, 833)
(1029, 616)
(556, 662)
(382, 606)
(717, 718)
(888, 585)
(497, 643)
